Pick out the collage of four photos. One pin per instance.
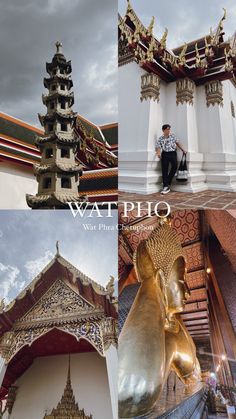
(117, 209)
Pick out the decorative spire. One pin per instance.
(182, 59)
(58, 172)
(57, 247)
(59, 47)
(67, 404)
(129, 7)
(163, 39)
(150, 27)
(217, 37)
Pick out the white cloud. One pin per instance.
(34, 267)
(9, 281)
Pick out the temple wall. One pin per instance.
(42, 385)
(15, 183)
(208, 134)
(133, 114)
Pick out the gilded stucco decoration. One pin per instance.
(214, 93)
(185, 91)
(61, 308)
(150, 87)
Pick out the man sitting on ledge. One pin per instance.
(166, 147)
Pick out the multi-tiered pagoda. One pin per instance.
(58, 173)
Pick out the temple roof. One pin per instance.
(98, 158)
(202, 60)
(54, 200)
(57, 167)
(63, 307)
(58, 78)
(110, 132)
(94, 293)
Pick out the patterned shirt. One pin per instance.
(167, 143)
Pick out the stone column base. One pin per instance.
(220, 170)
(140, 172)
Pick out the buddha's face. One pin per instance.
(177, 291)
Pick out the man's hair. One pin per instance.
(165, 126)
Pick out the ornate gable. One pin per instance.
(58, 302)
(61, 308)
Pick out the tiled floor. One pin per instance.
(182, 200)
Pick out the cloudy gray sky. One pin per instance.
(186, 20)
(87, 29)
(27, 245)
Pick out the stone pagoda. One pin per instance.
(58, 173)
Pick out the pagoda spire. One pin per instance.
(58, 172)
(67, 407)
(59, 47)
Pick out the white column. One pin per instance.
(139, 125)
(112, 372)
(182, 116)
(217, 138)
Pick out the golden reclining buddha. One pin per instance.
(154, 340)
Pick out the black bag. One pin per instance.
(182, 172)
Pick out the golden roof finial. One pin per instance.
(57, 247)
(164, 38)
(225, 14)
(182, 59)
(129, 7)
(150, 27)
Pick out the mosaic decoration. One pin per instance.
(64, 309)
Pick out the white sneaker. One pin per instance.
(165, 190)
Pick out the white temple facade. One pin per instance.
(191, 88)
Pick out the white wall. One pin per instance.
(112, 369)
(133, 114)
(15, 183)
(42, 385)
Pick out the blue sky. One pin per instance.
(27, 244)
(186, 20)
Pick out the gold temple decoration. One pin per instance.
(164, 39)
(150, 87)
(228, 63)
(217, 36)
(64, 309)
(182, 59)
(151, 49)
(67, 408)
(154, 340)
(184, 91)
(150, 27)
(134, 18)
(214, 93)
